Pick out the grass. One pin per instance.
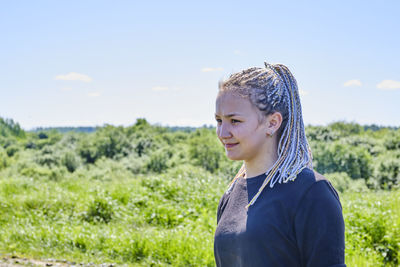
(372, 228)
(162, 219)
(110, 215)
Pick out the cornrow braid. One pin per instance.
(275, 89)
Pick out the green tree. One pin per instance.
(340, 157)
(387, 171)
(10, 128)
(205, 150)
(109, 141)
(392, 141)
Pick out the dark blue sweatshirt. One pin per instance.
(298, 223)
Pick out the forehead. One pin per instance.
(229, 103)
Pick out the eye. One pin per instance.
(218, 121)
(235, 121)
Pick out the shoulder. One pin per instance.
(308, 178)
(311, 184)
(320, 190)
(304, 180)
(319, 177)
(319, 224)
(311, 175)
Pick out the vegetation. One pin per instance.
(146, 195)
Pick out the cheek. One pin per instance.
(241, 133)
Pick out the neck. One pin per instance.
(261, 164)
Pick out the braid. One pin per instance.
(275, 89)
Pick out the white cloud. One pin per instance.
(73, 76)
(211, 69)
(236, 52)
(388, 85)
(94, 94)
(302, 92)
(352, 83)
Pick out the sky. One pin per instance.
(90, 63)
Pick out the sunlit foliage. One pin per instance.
(146, 195)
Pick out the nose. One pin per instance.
(223, 131)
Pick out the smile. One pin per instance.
(230, 145)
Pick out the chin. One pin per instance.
(233, 157)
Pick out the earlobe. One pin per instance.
(271, 134)
(270, 127)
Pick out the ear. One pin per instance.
(274, 121)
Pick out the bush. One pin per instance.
(109, 142)
(372, 145)
(387, 172)
(30, 145)
(12, 150)
(158, 161)
(143, 145)
(342, 182)
(49, 156)
(100, 210)
(205, 150)
(392, 142)
(71, 161)
(42, 135)
(87, 149)
(112, 142)
(135, 164)
(340, 157)
(346, 128)
(318, 133)
(39, 172)
(3, 159)
(43, 139)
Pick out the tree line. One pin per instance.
(353, 155)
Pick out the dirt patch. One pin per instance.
(13, 261)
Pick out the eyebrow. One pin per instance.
(228, 115)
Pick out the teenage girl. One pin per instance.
(277, 211)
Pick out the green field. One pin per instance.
(147, 195)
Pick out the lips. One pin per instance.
(231, 145)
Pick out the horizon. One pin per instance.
(185, 126)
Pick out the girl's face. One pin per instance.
(239, 129)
